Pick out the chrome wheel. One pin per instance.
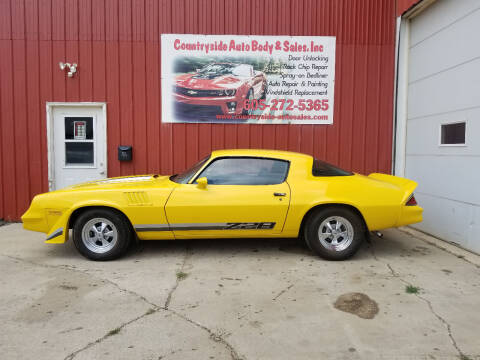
(335, 233)
(99, 235)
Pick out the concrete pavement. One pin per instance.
(237, 299)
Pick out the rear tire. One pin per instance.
(334, 233)
(102, 234)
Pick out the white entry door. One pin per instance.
(78, 145)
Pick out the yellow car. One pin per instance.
(230, 193)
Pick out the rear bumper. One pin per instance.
(410, 215)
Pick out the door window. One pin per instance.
(246, 171)
(79, 141)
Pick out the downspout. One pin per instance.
(395, 93)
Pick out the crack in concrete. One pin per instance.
(177, 282)
(444, 322)
(282, 292)
(212, 335)
(107, 335)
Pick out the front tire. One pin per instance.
(102, 234)
(334, 233)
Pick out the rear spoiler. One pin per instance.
(403, 184)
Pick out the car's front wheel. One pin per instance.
(101, 234)
(334, 233)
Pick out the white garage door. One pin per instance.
(442, 151)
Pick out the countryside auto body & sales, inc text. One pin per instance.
(248, 79)
(242, 46)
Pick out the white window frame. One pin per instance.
(93, 140)
(450, 123)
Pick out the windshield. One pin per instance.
(184, 177)
(218, 69)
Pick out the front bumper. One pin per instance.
(217, 105)
(35, 219)
(53, 222)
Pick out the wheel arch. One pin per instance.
(81, 209)
(329, 205)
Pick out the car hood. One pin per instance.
(194, 81)
(123, 182)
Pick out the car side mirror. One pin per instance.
(202, 183)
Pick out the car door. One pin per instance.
(244, 197)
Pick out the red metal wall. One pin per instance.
(404, 5)
(117, 46)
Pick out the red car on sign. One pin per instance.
(219, 88)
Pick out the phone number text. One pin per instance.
(286, 104)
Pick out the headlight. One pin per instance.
(232, 106)
(230, 92)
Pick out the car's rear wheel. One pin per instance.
(334, 233)
(101, 234)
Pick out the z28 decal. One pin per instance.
(215, 226)
(247, 226)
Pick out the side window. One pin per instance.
(321, 168)
(246, 171)
(452, 134)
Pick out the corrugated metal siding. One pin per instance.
(404, 5)
(116, 44)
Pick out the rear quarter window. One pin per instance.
(321, 168)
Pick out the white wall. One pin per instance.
(443, 85)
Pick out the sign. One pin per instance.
(79, 130)
(247, 79)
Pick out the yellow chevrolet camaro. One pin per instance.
(231, 193)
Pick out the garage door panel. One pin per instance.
(444, 87)
(454, 45)
(455, 89)
(423, 134)
(473, 242)
(452, 177)
(439, 15)
(456, 219)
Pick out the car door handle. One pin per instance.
(279, 194)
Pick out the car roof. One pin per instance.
(277, 154)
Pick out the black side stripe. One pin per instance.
(152, 227)
(214, 226)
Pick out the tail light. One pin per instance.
(411, 201)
